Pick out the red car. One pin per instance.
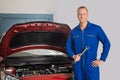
(35, 51)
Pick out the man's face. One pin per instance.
(82, 15)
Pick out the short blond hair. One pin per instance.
(82, 7)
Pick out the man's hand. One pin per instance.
(97, 63)
(76, 58)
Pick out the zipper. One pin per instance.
(83, 57)
(83, 39)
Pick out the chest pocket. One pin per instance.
(76, 38)
(92, 39)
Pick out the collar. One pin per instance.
(87, 27)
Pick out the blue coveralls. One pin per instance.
(90, 37)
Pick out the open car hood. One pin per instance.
(34, 35)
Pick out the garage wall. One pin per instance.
(103, 12)
(28, 6)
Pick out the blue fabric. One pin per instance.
(90, 37)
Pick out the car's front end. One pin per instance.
(35, 51)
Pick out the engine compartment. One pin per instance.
(40, 65)
(36, 72)
(33, 70)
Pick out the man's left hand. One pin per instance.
(97, 63)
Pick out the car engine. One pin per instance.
(31, 70)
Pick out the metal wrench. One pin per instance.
(80, 54)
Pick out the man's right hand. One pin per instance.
(76, 58)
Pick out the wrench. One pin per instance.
(80, 54)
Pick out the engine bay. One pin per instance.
(33, 70)
(38, 65)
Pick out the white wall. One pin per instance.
(103, 12)
(28, 6)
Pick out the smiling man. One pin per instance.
(86, 34)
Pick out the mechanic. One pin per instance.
(87, 34)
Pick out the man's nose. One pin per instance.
(81, 16)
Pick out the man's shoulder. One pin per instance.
(75, 28)
(95, 26)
